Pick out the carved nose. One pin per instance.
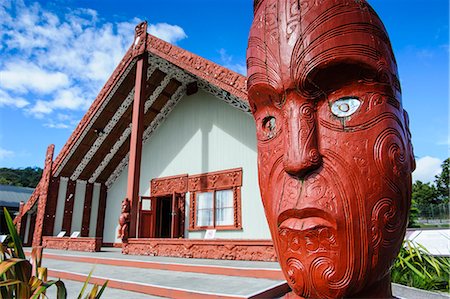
(302, 154)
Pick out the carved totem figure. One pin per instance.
(334, 151)
(124, 220)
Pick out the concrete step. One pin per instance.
(164, 283)
(74, 287)
(169, 277)
(239, 268)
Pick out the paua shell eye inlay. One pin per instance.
(269, 125)
(345, 106)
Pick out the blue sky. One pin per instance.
(56, 55)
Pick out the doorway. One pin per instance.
(163, 217)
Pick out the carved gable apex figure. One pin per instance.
(334, 151)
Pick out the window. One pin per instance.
(215, 208)
(216, 200)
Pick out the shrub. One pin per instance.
(20, 278)
(416, 267)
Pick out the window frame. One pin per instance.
(213, 182)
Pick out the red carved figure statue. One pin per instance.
(334, 151)
(124, 220)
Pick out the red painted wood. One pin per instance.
(334, 149)
(145, 228)
(50, 210)
(174, 217)
(252, 250)
(68, 207)
(87, 210)
(147, 219)
(21, 226)
(44, 185)
(101, 211)
(210, 182)
(77, 244)
(168, 185)
(134, 164)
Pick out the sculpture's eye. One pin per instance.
(345, 106)
(269, 126)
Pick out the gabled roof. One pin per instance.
(98, 148)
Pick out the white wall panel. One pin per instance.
(202, 134)
(60, 205)
(78, 206)
(94, 210)
(116, 194)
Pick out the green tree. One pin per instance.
(424, 194)
(413, 215)
(442, 182)
(424, 197)
(22, 177)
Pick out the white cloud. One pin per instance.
(227, 61)
(8, 100)
(5, 153)
(56, 125)
(56, 62)
(167, 32)
(24, 76)
(426, 168)
(63, 121)
(65, 99)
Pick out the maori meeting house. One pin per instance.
(171, 132)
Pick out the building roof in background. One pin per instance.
(11, 196)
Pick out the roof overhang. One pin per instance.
(98, 149)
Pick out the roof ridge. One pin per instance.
(222, 77)
(206, 69)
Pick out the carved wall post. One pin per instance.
(87, 210)
(42, 201)
(50, 209)
(134, 164)
(68, 206)
(101, 211)
(18, 220)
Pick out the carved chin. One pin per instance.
(309, 258)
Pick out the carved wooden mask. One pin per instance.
(334, 151)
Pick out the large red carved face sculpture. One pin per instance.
(334, 151)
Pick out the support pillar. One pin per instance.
(173, 228)
(50, 209)
(18, 220)
(43, 186)
(87, 210)
(68, 207)
(101, 211)
(134, 164)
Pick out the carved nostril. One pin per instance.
(305, 166)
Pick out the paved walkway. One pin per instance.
(116, 253)
(74, 288)
(165, 281)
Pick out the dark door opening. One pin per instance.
(164, 217)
